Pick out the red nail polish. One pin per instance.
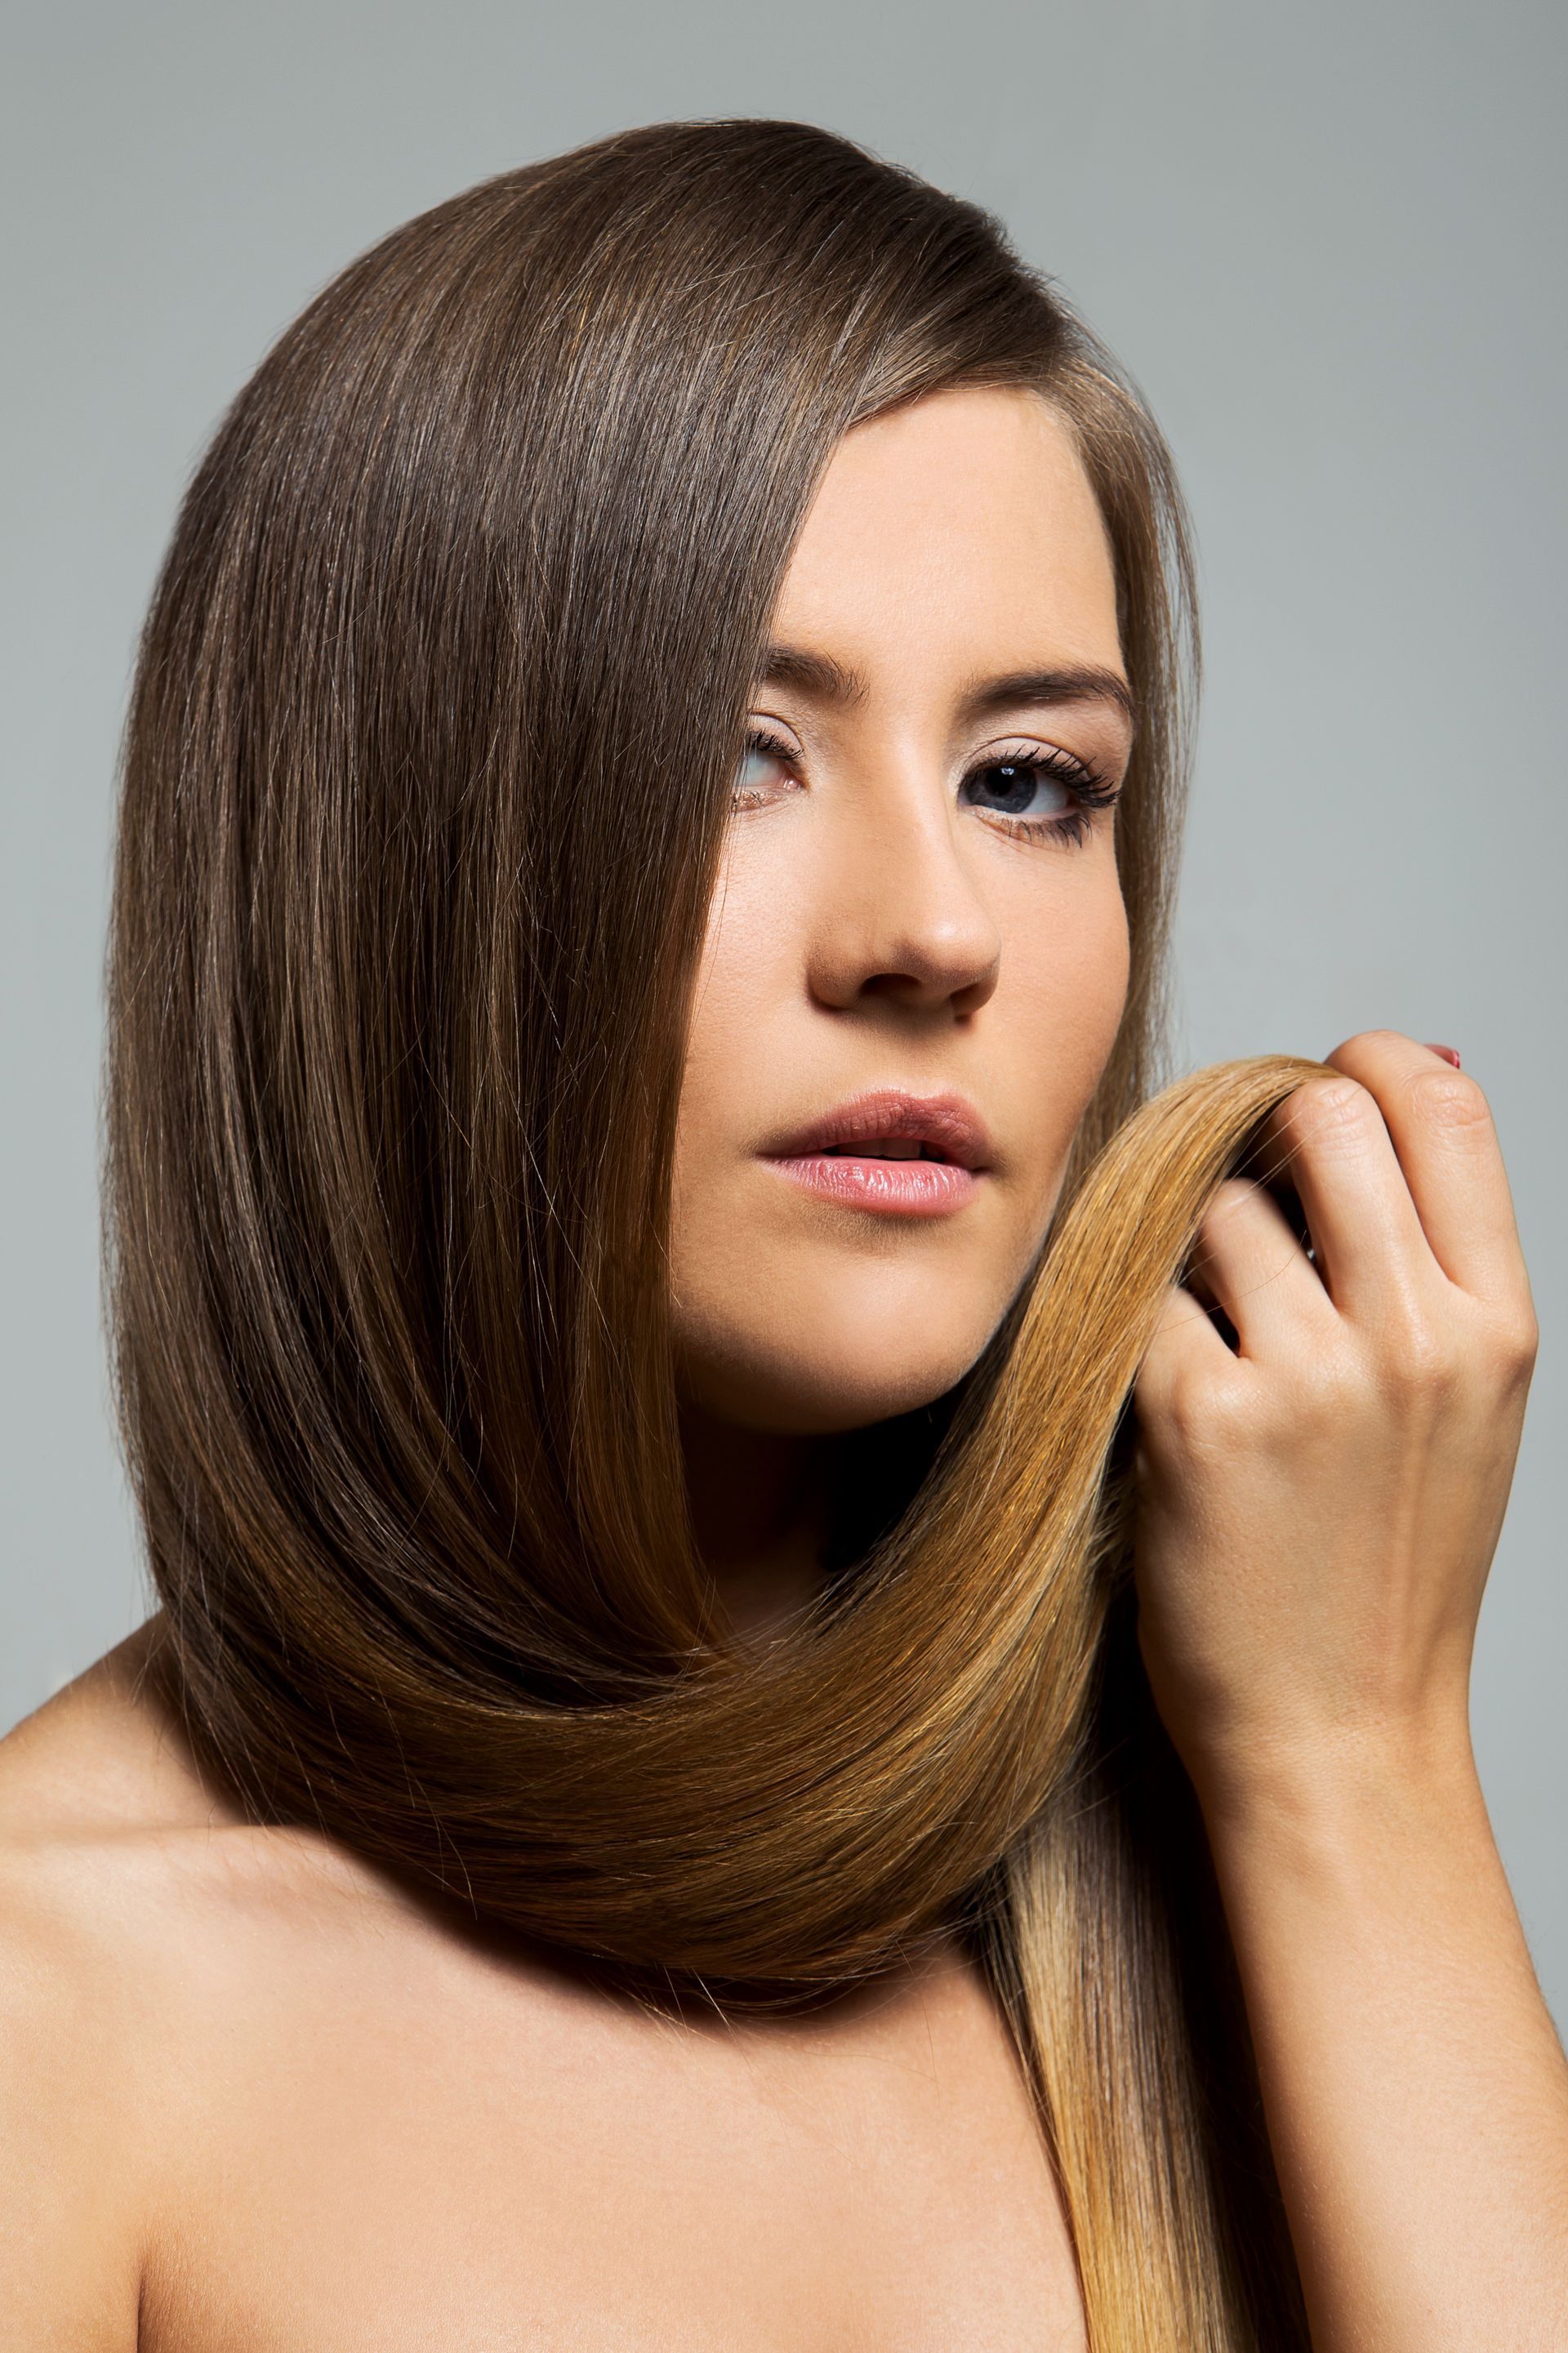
(1449, 1053)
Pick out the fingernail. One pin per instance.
(1449, 1053)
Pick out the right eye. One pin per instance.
(750, 775)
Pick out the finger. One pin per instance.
(1442, 1130)
(1329, 1135)
(1185, 1341)
(1250, 1261)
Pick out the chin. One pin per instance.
(838, 1384)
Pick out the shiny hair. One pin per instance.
(426, 776)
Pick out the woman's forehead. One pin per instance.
(955, 540)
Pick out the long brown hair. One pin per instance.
(425, 780)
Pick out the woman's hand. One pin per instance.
(1316, 1513)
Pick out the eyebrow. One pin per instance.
(832, 681)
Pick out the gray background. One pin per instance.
(1328, 244)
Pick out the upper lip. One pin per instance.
(949, 1123)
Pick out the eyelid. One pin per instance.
(1010, 746)
(763, 725)
(760, 722)
(1099, 774)
(1093, 754)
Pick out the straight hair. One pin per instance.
(423, 786)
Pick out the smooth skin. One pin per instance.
(1318, 1512)
(251, 2095)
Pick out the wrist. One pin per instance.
(1342, 1783)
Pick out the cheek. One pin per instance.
(749, 983)
(739, 1075)
(1065, 991)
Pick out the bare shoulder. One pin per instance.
(431, 2126)
(125, 1888)
(69, 2062)
(136, 1878)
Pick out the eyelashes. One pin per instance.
(1022, 770)
(1021, 773)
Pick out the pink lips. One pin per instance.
(821, 1157)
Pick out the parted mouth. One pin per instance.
(891, 1123)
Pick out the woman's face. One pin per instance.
(918, 898)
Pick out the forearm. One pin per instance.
(1416, 2089)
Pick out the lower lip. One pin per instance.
(888, 1188)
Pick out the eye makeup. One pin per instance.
(1022, 771)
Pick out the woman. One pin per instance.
(810, 1680)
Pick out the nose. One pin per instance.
(902, 917)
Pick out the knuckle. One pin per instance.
(1516, 1342)
(1334, 1112)
(1451, 1100)
(1205, 1412)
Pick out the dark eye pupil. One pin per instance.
(1017, 788)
